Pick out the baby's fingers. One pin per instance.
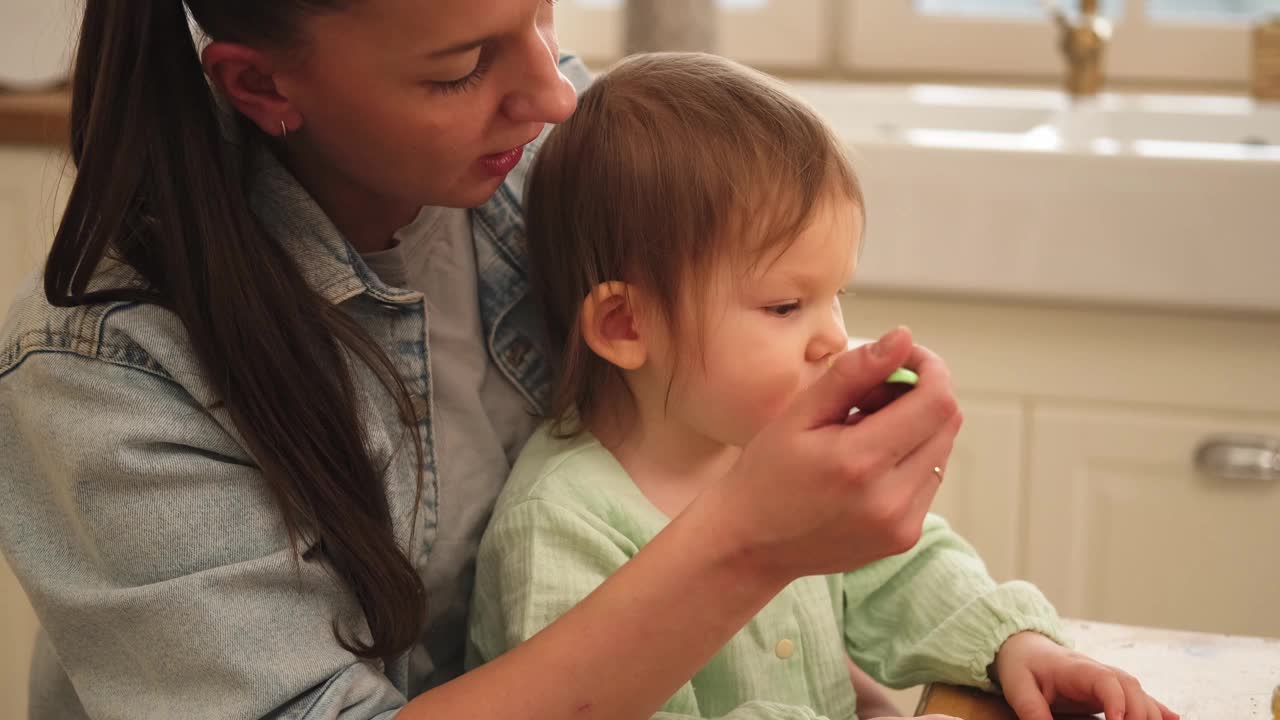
(1137, 705)
(1106, 688)
(1166, 713)
(1022, 692)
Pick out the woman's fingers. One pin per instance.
(858, 493)
(924, 470)
(851, 376)
(910, 420)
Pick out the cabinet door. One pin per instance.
(1123, 528)
(981, 495)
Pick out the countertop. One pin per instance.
(35, 118)
(1198, 675)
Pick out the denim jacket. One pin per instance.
(140, 526)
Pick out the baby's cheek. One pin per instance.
(773, 398)
(743, 409)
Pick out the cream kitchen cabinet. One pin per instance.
(1127, 529)
(989, 455)
(32, 193)
(1075, 468)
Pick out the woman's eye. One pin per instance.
(783, 310)
(466, 82)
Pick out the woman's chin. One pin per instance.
(473, 193)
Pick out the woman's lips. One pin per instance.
(501, 164)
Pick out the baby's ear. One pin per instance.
(610, 325)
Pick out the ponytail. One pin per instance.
(158, 189)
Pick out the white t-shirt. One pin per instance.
(479, 419)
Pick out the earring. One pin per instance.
(284, 131)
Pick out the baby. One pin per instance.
(691, 228)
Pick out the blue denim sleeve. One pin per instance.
(157, 562)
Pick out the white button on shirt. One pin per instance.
(784, 649)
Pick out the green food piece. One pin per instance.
(903, 376)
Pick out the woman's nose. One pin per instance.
(543, 94)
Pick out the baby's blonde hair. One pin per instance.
(671, 161)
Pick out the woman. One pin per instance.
(245, 468)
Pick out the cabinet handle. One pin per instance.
(1240, 457)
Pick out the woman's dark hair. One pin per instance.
(159, 189)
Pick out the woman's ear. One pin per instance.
(246, 77)
(610, 325)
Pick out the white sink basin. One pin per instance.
(1148, 199)
(882, 113)
(1220, 128)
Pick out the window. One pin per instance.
(1200, 41)
(1164, 10)
(1211, 9)
(1029, 9)
(774, 34)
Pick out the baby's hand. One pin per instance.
(922, 717)
(1037, 673)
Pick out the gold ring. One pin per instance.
(938, 471)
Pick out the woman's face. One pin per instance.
(424, 102)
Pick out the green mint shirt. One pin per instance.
(570, 515)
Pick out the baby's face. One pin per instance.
(768, 336)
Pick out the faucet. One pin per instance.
(1083, 43)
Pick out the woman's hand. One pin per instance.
(812, 494)
(1038, 674)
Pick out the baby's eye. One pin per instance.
(783, 310)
